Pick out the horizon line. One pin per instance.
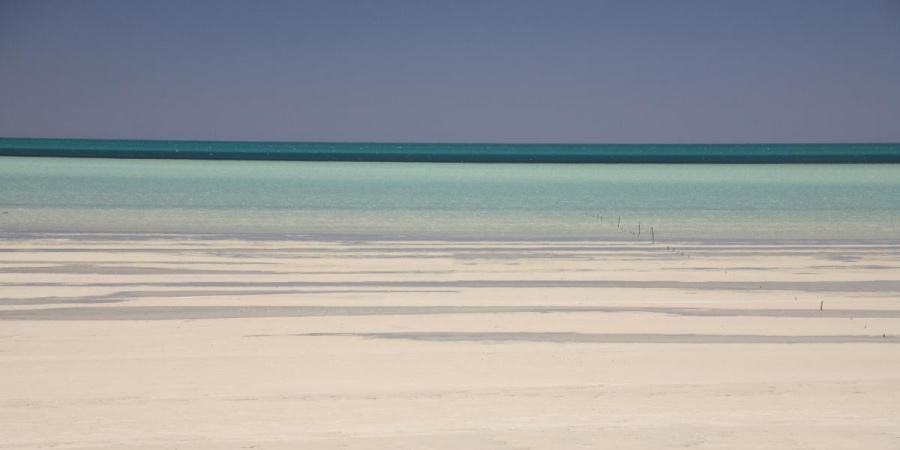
(388, 142)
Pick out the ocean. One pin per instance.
(471, 153)
(400, 200)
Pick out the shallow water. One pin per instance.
(543, 201)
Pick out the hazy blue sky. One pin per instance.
(452, 71)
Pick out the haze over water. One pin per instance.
(404, 200)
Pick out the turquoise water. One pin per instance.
(497, 153)
(546, 201)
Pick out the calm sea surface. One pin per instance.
(472, 153)
(545, 201)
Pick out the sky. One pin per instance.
(561, 71)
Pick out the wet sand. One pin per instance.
(179, 342)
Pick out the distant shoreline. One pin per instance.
(872, 153)
(568, 242)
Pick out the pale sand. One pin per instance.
(168, 343)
